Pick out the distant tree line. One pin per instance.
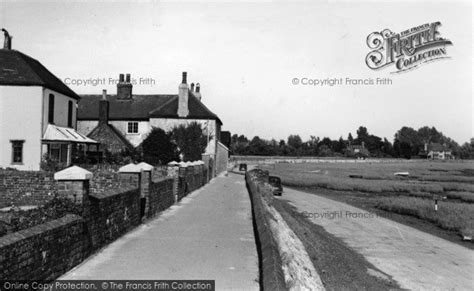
(408, 143)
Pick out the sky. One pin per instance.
(246, 55)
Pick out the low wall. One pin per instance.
(26, 187)
(285, 264)
(112, 204)
(42, 252)
(111, 214)
(297, 160)
(271, 272)
(161, 196)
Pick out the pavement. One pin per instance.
(207, 235)
(415, 259)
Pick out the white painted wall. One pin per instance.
(134, 138)
(60, 109)
(86, 126)
(20, 119)
(144, 128)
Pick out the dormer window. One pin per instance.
(132, 127)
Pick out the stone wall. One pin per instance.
(43, 252)
(111, 214)
(26, 187)
(285, 264)
(112, 204)
(161, 196)
(271, 272)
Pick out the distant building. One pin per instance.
(436, 151)
(37, 113)
(124, 120)
(359, 151)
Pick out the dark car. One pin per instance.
(275, 182)
(243, 167)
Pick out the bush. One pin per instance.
(190, 140)
(158, 148)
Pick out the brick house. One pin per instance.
(125, 119)
(37, 113)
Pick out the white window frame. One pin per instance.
(134, 130)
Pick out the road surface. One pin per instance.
(415, 259)
(208, 235)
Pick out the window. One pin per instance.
(69, 114)
(51, 109)
(132, 127)
(17, 151)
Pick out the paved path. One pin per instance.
(415, 259)
(208, 235)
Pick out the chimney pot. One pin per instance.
(192, 87)
(7, 44)
(184, 78)
(124, 89)
(198, 87)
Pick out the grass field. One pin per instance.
(412, 195)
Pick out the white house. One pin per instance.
(37, 113)
(133, 116)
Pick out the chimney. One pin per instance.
(124, 88)
(7, 43)
(183, 109)
(104, 108)
(198, 92)
(192, 87)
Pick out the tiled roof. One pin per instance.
(197, 110)
(437, 147)
(107, 134)
(18, 69)
(142, 107)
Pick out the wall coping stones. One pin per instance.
(32, 231)
(145, 167)
(73, 173)
(130, 168)
(124, 190)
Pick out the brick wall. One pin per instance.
(111, 207)
(26, 187)
(161, 196)
(42, 252)
(111, 214)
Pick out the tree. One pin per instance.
(158, 149)
(295, 141)
(362, 133)
(350, 139)
(409, 142)
(191, 141)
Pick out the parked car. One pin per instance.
(275, 182)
